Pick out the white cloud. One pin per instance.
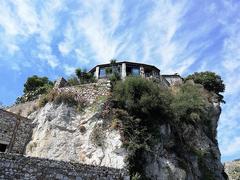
(69, 70)
(232, 147)
(66, 46)
(158, 32)
(21, 20)
(45, 53)
(98, 32)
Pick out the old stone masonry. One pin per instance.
(15, 134)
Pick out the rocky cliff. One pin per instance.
(185, 150)
(233, 169)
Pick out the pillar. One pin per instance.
(97, 72)
(142, 74)
(124, 71)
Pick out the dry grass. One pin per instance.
(69, 98)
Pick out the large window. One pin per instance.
(135, 71)
(102, 72)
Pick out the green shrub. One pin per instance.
(114, 78)
(141, 106)
(34, 82)
(141, 97)
(78, 73)
(210, 81)
(68, 98)
(136, 176)
(33, 87)
(188, 104)
(98, 135)
(32, 95)
(84, 76)
(73, 81)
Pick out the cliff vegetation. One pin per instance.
(154, 131)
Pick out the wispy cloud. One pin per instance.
(55, 36)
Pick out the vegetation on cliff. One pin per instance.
(210, 80)
(142, 105)
(81, 77)
(139, 107)
(33, 87)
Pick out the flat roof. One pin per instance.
(127, 62)
(172, 75)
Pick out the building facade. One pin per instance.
(125, 69)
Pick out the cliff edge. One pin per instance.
(84, 124)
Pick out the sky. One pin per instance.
(52, 38)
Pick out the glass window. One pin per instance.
(135, 71)
(102, 72)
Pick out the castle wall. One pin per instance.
(14, 166)
(15, 131)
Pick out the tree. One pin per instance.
(210, 81)
(113, 61)
(84, 76)
(78, 73)
(34, 82)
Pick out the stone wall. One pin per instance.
(90, 92)
(15, 131)
(173, 80)
(14, 166)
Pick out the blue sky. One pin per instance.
(51, 38)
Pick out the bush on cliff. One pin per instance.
(73, 81)
(33, 87)
(69, 98)
(84, 76)
(34, 82)
(141, 105)
(141, 98)
(188, 104)
(210, 81)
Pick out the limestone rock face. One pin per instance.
(185, 151)
(233, 169)
(63, 134)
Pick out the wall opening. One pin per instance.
(3, 147)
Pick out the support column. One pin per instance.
(124, 71)
(96, 72)
(142, 73)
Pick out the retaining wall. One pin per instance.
(15, 131)
(13, 166)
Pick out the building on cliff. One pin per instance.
(59, 142)
(126, 68)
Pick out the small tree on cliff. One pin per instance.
(78, 73)
(84, 76)
(210, 81)
(34, 82)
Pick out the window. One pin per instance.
(3, 147)
(102, 73)
(135, 71)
